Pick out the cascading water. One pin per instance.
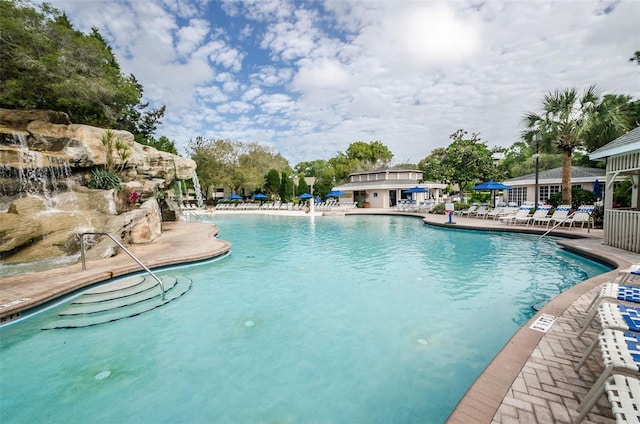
(179, 192)
(35, 174)
(197, 189)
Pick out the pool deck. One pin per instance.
(531, 380)
(179, 243)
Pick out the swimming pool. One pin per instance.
(340, 319)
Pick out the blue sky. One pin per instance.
(310, 78)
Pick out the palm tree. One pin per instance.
(569, 119)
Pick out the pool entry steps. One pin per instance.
(121, 299)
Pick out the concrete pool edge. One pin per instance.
(180, 243)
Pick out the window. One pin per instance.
(518, 194)
(548, 191)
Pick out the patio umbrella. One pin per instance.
(416, 189)
(305, 196)
(335, 193)
(596, 189)
(235, 197)
(259, 196)
(492, 185)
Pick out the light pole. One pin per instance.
(536, 195)
(295, 184)
(310, 181)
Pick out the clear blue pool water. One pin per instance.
(372, 319)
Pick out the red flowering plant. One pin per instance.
(133, 197)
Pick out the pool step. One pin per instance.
(123, 299)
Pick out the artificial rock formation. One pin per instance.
(45, 166)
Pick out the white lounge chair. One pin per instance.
(522, 213)
(467, 211)
(559, 215)
(615, 316)
(582, 215)
(623, 393)
(482, 211)
(495, 212)
(540, 214)
(620, 355)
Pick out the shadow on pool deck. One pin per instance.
(530, 380)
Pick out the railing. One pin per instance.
(84, 267)
(191, 214)
(622, 229)
(559, 224)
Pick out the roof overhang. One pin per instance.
(621, 150)
(386, 185)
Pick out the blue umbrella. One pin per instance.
(259, 196)
(235, 197)
(335, 193)
(596, 189)
(416, 189)
(492, 185)
(305, 196)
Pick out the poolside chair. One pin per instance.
(467, 211)
(622, 392)
(559, 215)
(523, 212)
(482, 211)
(495, 212)
(582, 215)
(540, 214)
(614, 316)
(620, 355)
(625, 288)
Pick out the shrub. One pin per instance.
(579, 196)
(439, 209)
(105, 180)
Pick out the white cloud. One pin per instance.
(320, 74)
(191, 36)
(309, 78)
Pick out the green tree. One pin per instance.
(46, 64)
(519, 159)
(216, 162)
(163, 144)
(302, 185)
(233, 165)
(465, 160)
(286, 188)
(572, 120)
(272, 182)
(367, 156)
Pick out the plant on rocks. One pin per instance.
(103, 179)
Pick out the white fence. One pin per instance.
(622, 229)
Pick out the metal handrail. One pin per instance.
(194, 215)
(558, 224)
(84, 267)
